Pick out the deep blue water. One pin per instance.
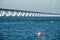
(26, 28)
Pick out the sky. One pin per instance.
(49, 6)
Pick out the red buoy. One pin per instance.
(39, 34)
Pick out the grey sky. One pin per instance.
(50, 6)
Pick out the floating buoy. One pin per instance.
(39, 34)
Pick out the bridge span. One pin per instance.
(22, 13)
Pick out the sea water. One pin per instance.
(26, 28)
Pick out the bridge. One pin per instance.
(23, 13)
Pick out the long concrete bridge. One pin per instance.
(12, 12)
